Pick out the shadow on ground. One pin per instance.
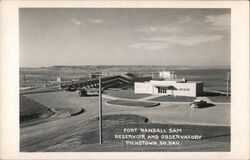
(207, 105)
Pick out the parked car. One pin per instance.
(198, 103)
(71, 89)
(88, 92)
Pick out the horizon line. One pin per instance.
(119, 65)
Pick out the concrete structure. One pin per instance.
(94, 83)
(167, 74)
(59, 79)
(105, 74)
(174, 87)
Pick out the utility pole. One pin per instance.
(228, 82)
(100, 109)
(99, 76)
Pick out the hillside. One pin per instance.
(31, 110)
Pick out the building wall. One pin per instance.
(199, 89)
(192, 89)
(140, 87)
(182, 89)
(166, 74)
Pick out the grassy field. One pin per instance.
(31, 110)
(128, 94)
(85, 137)
(40, 90)
(221, 99)
(132, 103)
(34, 113)
(173, 99)
(69, 137)
(217, 97)
(213, 139)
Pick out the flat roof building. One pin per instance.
(167, 74)
(59, 79)
(173, 87)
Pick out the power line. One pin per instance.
(228, 79)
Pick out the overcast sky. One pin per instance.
(194, 37)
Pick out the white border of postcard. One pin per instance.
(9, 80)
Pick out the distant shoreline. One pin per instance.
(131, 66)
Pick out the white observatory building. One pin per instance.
(168, 84)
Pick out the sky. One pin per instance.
(123, 36)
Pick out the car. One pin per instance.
(88, 92)
(198, 103)
(71, 89)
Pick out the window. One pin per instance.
(162, 90)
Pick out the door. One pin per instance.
(169, 92)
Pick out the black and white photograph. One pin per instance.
(124, 79)
(137, 79)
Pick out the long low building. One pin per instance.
(172, 87)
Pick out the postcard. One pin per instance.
(122, 80)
